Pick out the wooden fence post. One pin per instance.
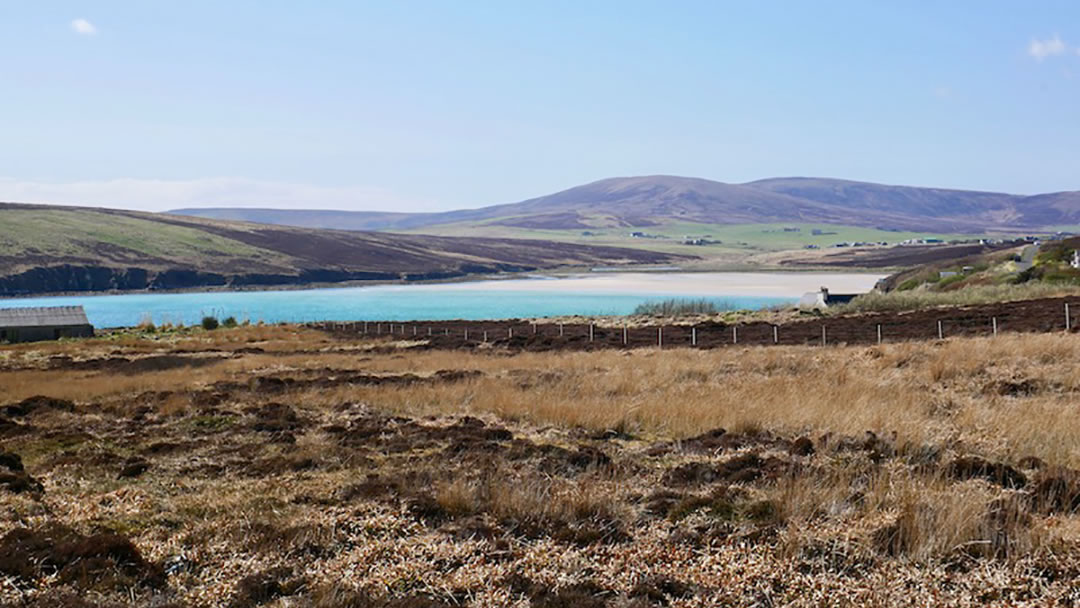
(879, 333)
(693, 336)
(775, 334)
(466, 334)
(660, 337)
(624, 335)
(734, 334)
(509, 332)
(1068, 321)
(560, 330)
(940, 333)
(590, 332)
(824, 341)
(993, 320)
(485, 335)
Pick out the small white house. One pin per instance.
(1075, 263)
(818, 300)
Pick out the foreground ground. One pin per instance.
(282, 466)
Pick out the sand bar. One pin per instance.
(706, 284)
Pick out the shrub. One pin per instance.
(146, 324)
(678, 307)
(945, 282)
(209, 323)
(230, 322)
(908, 285)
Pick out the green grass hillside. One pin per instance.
(719, 238)
(48, 249)
(100, 235)
(1023, 272)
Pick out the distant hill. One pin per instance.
(57, 249)
(659, 199)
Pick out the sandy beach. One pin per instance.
(707, 284)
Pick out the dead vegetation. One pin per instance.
(289, 468)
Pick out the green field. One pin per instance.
(77, 233)
(734, 239)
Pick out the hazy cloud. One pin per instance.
(84, 27)
(1041, 49)
(162, 195)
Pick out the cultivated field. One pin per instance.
(725, 241)
(286, 466)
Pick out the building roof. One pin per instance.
(43, 316)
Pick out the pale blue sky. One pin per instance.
(436, 105)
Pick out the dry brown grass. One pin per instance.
(361, 504)
(1008, 396)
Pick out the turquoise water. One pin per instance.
(386, 302)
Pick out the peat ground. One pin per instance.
(1025, 316)
(282, 466)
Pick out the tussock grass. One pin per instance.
(923, 392)
(386, 491)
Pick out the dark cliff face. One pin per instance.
(74, 278)
(67, 277)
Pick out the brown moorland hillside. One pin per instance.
(54, 249)
(644, 201)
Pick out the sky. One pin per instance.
(436, 105)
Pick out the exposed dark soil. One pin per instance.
(107, 562)
(1044, 315)
(891, 257)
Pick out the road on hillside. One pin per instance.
(1027, 257)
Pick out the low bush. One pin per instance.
(146, 324)
(678, 307)
(210, 323)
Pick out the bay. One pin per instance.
(583, 294)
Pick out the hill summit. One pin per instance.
(657, 199)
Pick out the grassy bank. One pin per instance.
(918, 299)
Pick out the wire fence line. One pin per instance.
(1026, 316)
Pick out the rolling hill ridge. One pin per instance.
(651, 200)
(47, 249)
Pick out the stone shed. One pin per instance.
(44, 323)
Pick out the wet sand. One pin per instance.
(705, 284)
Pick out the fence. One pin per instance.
(1046, 315)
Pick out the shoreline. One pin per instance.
(467, 280)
